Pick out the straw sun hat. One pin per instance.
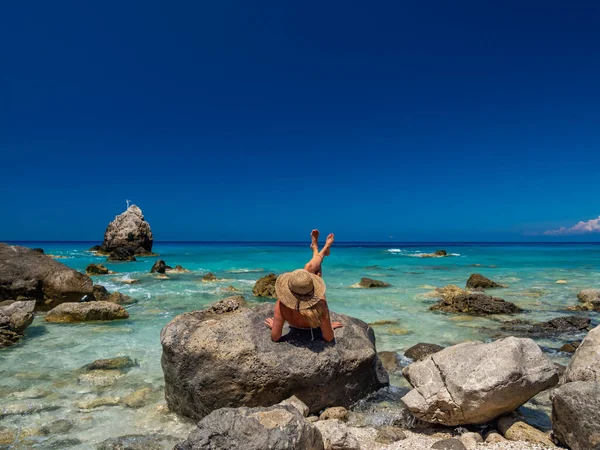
(299, 289)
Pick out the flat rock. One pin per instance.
(585, 363)
(515, 429)
(275, 428)
(477, 304)
(121, 363)
(35, 276)
(478, 281)
(139, 442)
(448, 444)
(84, 312)
(422, 350)
(265, 286)
(576, 414)
(234, 355)
(473, 382)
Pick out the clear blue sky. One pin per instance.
(238, 120)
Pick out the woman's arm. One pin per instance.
(327, 326)
(276, 323)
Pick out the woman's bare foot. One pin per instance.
(314, 245)
(328, 243)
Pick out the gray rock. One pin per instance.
(121, 363)
(585, 363)
(476, 304)
(389, 434)
(473, 383)
(591, 296)
(139, 442)
(84, 312)
(14, 319)
(228, 304)
(296, 403)
(234, 355)
(35, 276)
(275, 428)
(449, 444)
(122, 254)
(336, 435)
(422, 350)
(128, 230)
(159, 267)
(478, 281)
(265, 286)
(576, 415)
(60, 426)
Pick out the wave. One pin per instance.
(395, 250)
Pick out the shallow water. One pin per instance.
(42, 370)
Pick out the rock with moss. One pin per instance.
(477, 304)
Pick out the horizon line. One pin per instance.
(12, 241)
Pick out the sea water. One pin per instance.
(41, 381)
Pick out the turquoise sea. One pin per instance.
(39, 377)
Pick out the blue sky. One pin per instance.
(238, 120)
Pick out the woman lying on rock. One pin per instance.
(301, 297)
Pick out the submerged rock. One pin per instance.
(177, 269)
(389, 361)
(477, 304)
(478, 281)
(97, 269)
(118, 363)
(421, 350)
(33, 276)
(122, 254)
(570, 347)
(14, 319)
(369, 283)
(101, 294)
(234, 355)
(265, 286)
(139, 442)
(558, 325)
(275, 427)
(448, 293)
(585, 364)
(129, 230)
(575, 413)
(83, 312)
(473, 383)
(159, 267)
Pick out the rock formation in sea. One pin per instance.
(265, 286)
(29, 275)
(477, 304)
(473, 382)
(478, 281)
(422, 350)
(101, 294)
(129, 230)
(370, 283)
(15, 317)
(589, 299)
(97, 269)
(234, 355)
(88, 311)
(159, 267)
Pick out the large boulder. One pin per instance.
(212, 360)
(585, 363)
(265, 286)
(84, 312)
(14, 319)
(478, 281)
(473, 382)
(276, 428)
(476, 304)
(159, 267)
(576, 415)
(34, 276)
(128, 230)
(590, 300)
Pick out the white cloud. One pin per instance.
(590, 226)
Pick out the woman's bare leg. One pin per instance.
(315, 264)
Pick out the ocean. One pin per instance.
(40, 379)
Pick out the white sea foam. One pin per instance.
(395, 250)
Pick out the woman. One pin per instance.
(301, 297)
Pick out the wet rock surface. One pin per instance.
(14, 319)
(159, 267)
(234, 354)
(370, 283)
(478, 281)
(84, 312)
(422, 350)
(477, 304)
(97, 269)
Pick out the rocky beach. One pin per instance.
(134, 345)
